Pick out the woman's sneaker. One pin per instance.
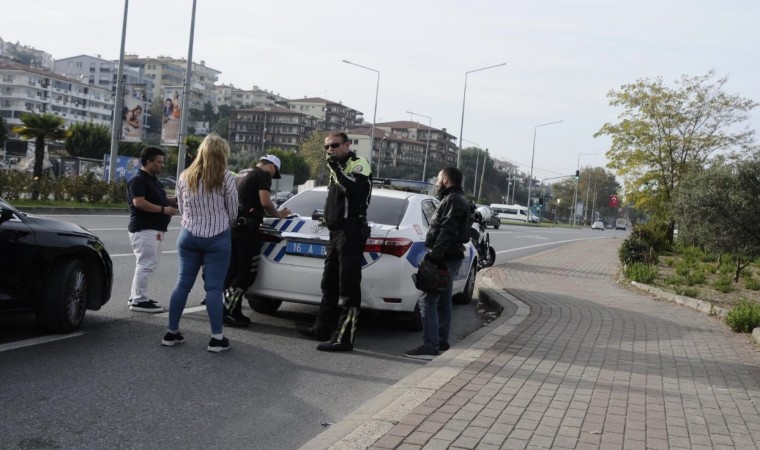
(218, 345)
(172, 339)
(146, 306)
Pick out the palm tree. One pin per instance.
(40, 127)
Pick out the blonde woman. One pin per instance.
(208, 201)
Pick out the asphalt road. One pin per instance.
(112, 385)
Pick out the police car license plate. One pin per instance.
(306, 249)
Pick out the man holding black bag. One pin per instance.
(254, 198)
(445, 239)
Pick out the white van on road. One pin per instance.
(516, 213)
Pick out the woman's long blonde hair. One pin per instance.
(209, 165)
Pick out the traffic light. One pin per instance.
(577, 175)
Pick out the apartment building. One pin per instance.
(389, 149)
(442, 147)
(26, 55)
(237, 98)
(24, 89)
(331, 116)
(169, 72)
(257, 130)
(102, 73)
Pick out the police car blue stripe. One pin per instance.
(268, 248)
(280, 254)
(298, 226)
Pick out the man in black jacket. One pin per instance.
(346, 206)
(445, 239)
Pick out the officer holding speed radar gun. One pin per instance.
(348, 196)
(254, 200)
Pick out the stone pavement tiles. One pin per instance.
(593, 365)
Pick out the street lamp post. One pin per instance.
(464, 97)
(374, 115)
(427, 143)
(574, 206)
(533, 155)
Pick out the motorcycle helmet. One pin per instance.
(484, 213)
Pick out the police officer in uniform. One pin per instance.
(254, 199)
(348, 196)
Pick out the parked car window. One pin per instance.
(428, 211)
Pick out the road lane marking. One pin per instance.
(185, 311)
(132, 254)
(37, 341)
(544, 245)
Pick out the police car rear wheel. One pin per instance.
(465, 297)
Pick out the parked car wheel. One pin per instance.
(496, 224)
(65, 298)
(413, 321)
(264, 305)
(465, 297)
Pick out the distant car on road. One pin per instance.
(53, 268)
(621, 224)
(598, 225)
(281, 197)
(168, 183)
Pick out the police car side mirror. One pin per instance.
(318, 214)
(6, 215)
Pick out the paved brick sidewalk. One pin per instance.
(577, 362)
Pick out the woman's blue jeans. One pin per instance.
(214, 255)
(436, 312)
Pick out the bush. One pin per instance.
(117, 192)
(744, 317)
(13, 183)
(641, 272)
(687, 291)
(653, 233)
(752, 284)
(634, 250)
(723, 284)
(696, 277)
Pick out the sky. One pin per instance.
(562, 57)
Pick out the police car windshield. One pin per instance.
(382, 210)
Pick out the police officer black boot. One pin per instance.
(343, 338)
(233, 308)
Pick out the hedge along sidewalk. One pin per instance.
(693, 303)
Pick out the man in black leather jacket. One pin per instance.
(445, 239)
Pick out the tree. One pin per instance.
(312, 151)
(293, 164)
(88, 140)
(40, 127)
(716, 208)
(3, 132)
(665, 132)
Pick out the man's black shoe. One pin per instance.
(310, 331)
(236, 320)
(331, 346)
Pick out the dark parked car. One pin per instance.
(281, 197)
(53, 268)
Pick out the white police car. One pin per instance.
(292, 258)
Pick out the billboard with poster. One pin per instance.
(170, 122)
(132, 113)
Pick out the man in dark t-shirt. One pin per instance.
(255, 201)
(150, 212)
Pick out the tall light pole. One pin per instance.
(574, 206)
(464, 97)
(181, 150)
(427, 143)
(374, 115)
(477, 155)
(533, 155)
(118, 101)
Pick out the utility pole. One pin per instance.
(482, 174)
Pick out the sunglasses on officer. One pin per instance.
(333, 145)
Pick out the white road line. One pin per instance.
(37, 341)
(132, 254)
(543, 245)
(124, 229)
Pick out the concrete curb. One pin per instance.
(700, 305)
(371, 421)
